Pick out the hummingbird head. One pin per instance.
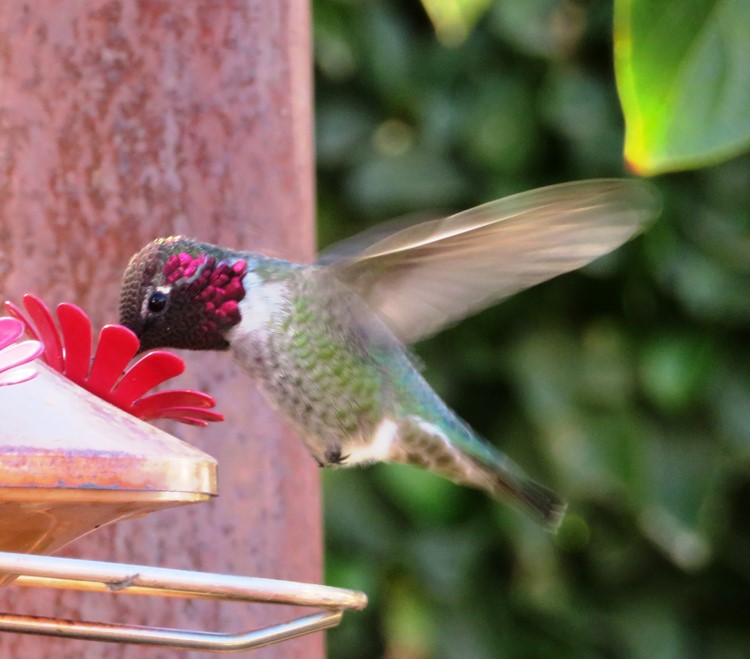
(180, 293)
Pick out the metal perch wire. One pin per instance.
(121, 578)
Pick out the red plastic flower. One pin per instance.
(68, 351)
(14, 354)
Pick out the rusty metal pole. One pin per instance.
(121, 121)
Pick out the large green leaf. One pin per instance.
(683, 75)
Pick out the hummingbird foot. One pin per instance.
(334, 457)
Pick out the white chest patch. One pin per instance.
(379, 448)
(257, 308)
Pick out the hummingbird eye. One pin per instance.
(157, 302)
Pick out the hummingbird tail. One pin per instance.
(540, 502)
(477, 464)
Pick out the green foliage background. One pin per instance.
(625, 386)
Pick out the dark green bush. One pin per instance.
(625, 386)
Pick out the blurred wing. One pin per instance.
(422, 277)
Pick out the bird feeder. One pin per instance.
(76, 454)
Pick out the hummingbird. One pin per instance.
(327, 342)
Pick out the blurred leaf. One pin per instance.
(424, 497)
(547, 28)
(409, 625)
(682, 474)
(453, 19)
(348, 501)
(574, 533)
(731, 393)
(355, 573)
(595, 450)
(500, 126)
(724, 644)
(334, 50)
(342, 127)
(387, 50)
(650, 632)
(537, 581)
(446, 559)
(577, 105)
(607, 376)
(468, 632)
(706, 289)
(684, 81)
(674, 369)
(416, 180)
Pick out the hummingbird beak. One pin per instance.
(138, 331)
